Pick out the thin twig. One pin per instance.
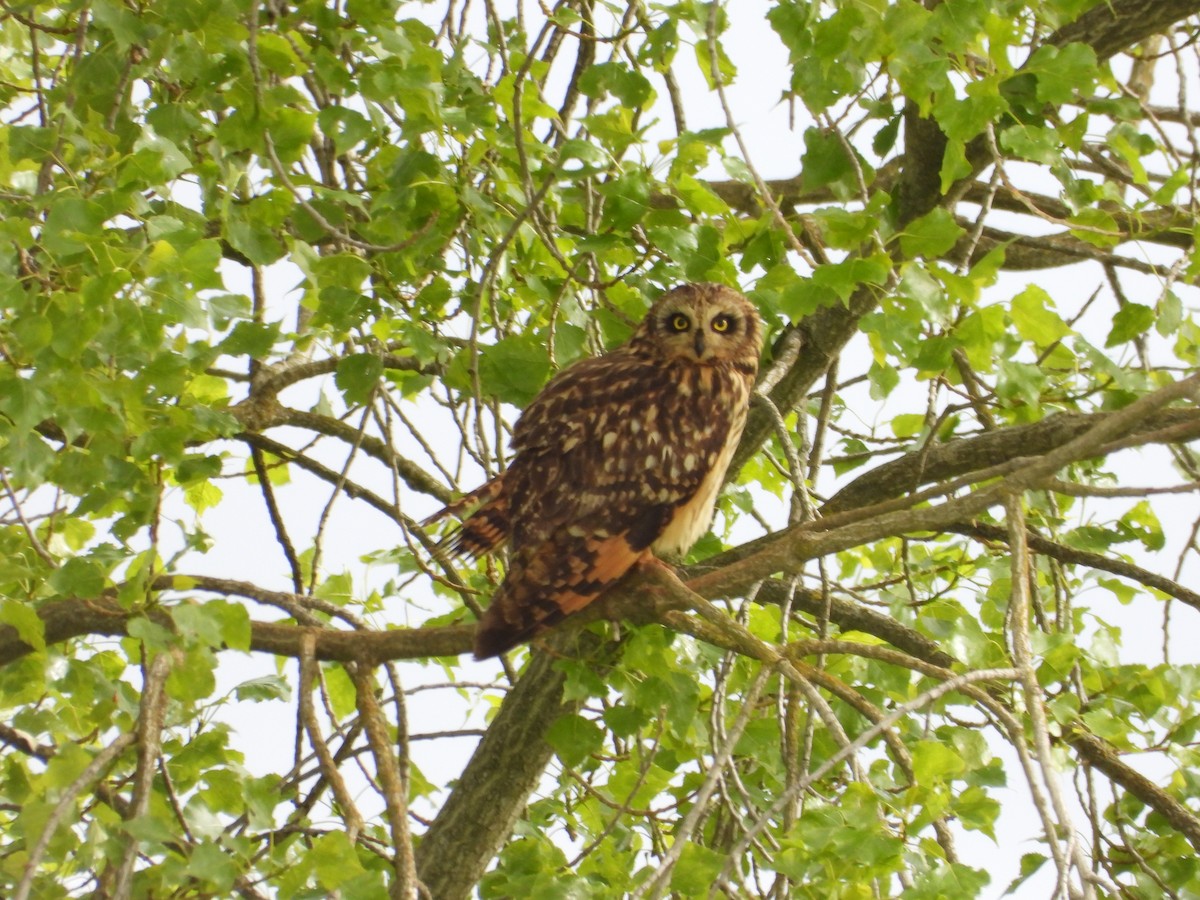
(64, 808)
(394, 790)
(151, 717)
(657, 883)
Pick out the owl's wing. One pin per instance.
(605, 459)
(560, 426)
(619, 434)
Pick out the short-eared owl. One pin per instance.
(618, 456)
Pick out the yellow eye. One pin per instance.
(722, 323)
(680, 322)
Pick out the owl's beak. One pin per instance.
(698, 343)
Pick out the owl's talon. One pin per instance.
(649, 562)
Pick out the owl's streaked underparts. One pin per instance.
(618, 457)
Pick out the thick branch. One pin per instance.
(1024, 252)
(1063, 553)
(66, 619)
(1109, 28)
(275, 379)
(942, 461)
(1103, 756)
(787, 550)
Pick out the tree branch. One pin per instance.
(1110, 28)
(957, 457)
(500, 775)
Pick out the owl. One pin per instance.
(619, 457)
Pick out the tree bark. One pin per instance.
(480, 812)
(1112, 27)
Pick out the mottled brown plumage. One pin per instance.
(617, 457)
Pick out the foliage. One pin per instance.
(275, 279)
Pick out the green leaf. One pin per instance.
(1124, 593)
(202, 495)
(232, 623)
(962, 118)
(696, 871)
(78, 577)
(907, 425)
(24, 619)
(934, 762)
(825, 160)
(949, 880)
(342, 693)
(153, 635)
(192, 676)
(585, 152)
(884, 379)
(1020, 381)
(207, 389)
(678, 243)
(954, 165)
(1033, 315)
(885, 137)
(253, 239)
(629, 86)
(291, 131)
(278, 54)
(1032, 142)
(334, 860)
(628, 199)
(1169, 314)
(931, 236)
(1131, 321)
(705, 52)
(251, 339)
(1097, 227)
(30, 142)
(846, 229)
(1030, 864)
(264, 688)
(977, 811)
(347, 127)
(358, 376)
(574, 738)
(514, 368)
(1144, 525)
(845, 277)
(1063, 73)
(210, 864)
(72, 224)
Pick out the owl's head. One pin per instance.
(702, 323)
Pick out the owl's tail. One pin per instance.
(485, 529)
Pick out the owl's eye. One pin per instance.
(722, 324)
(680, 322)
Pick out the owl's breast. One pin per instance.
(693, 517)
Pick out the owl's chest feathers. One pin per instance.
(693, 517)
